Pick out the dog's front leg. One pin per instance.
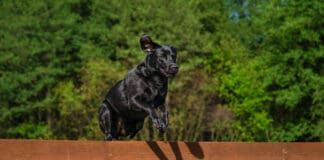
(164, 116)
(157, 122)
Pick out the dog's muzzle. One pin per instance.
(173, 69)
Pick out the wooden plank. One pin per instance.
(244, 151)
(305, 151)
(141, 150)
(50, 150)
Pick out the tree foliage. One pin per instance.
(249, 70)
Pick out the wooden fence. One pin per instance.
(141, 150)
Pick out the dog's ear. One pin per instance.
(147, 45)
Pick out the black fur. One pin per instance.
(140, 94)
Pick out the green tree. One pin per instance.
(37, 50)
(275, 94)
(249, 70)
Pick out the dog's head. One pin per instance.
(161, 58)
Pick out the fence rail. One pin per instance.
(141, 150)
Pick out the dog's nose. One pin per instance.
(174, 68)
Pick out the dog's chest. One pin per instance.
(155, 90)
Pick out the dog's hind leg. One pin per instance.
(134, 128)
(105, 121)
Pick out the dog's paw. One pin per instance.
(109, 137)
(162, 127)
(166, 118)
(159, 124)
(156, 122)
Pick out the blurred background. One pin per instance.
(250, 70)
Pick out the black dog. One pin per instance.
(142, 92)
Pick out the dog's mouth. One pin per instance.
(172, 72)
(169, 73)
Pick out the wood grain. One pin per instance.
(141, 150)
